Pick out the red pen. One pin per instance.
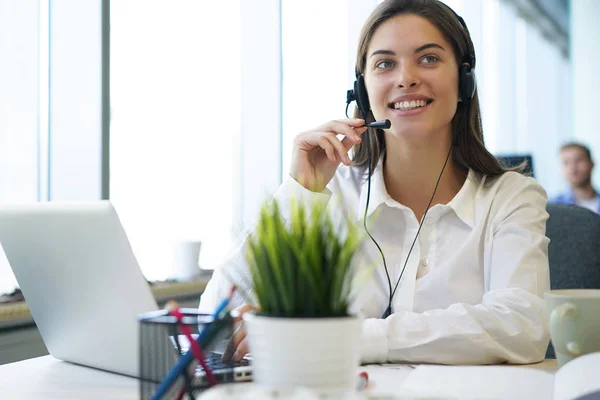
(173, 309)
(363, 381)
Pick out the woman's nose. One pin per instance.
(407, 77)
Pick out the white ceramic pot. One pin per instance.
(321, 353)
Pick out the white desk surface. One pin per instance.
(48, 378)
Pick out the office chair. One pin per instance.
(514, 160)
(574, 250)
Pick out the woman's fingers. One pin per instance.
(239, 335)
(352, 136)
(324, 143)
(238, 312)
(229, 350)
(349, 128)
(354, 122)
(340, 150)
(348, 143)
(238, 343)
(241, 350)
(318, 152)
(311, 138)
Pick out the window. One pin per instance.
(204, 108)
(175, 89)
(187, 160)
(522, 113)
(318, 63)
(19, 110)
(50, 104)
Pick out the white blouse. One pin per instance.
(472, 291)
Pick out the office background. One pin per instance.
(183, 112)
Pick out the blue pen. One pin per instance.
(187, 358)
(221, 307)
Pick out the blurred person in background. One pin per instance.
(577, 164)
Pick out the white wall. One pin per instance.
(585, 58)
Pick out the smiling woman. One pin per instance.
(458, 243)
(425, 82)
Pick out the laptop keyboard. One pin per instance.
(213, 359)
(229, 371)
(214, 362)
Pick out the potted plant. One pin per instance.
(303, 279)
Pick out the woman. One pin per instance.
(463, 242)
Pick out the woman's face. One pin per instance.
(411, 77)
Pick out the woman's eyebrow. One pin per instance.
(386, 52)
(428, 46)
(417, 50)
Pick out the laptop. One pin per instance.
(81, 281)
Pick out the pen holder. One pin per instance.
(163, 345)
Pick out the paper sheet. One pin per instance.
(578, 377)
(385, 381)
(478, 382)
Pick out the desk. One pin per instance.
(20, 339)
(48, 378)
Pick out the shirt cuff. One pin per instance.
(291, 189)
(374, 341)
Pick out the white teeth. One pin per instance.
(409, 105)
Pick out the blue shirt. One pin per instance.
(569, 198)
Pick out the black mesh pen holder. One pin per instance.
(163, 345)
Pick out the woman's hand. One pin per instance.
(237, 347)
(318, 152)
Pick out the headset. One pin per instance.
(467, 82)
(467, 85)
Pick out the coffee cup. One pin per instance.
(574, 322)
(186, 256)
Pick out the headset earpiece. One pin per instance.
(361, 96)
(467, 82)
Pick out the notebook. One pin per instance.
(575, 379)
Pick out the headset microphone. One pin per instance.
(383, 124)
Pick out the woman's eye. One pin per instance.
(430, 59)
(384, 64)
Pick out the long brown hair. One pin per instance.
(467, 134)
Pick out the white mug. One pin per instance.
(186, 256)
(574, 322)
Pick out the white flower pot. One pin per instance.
(320, 353)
